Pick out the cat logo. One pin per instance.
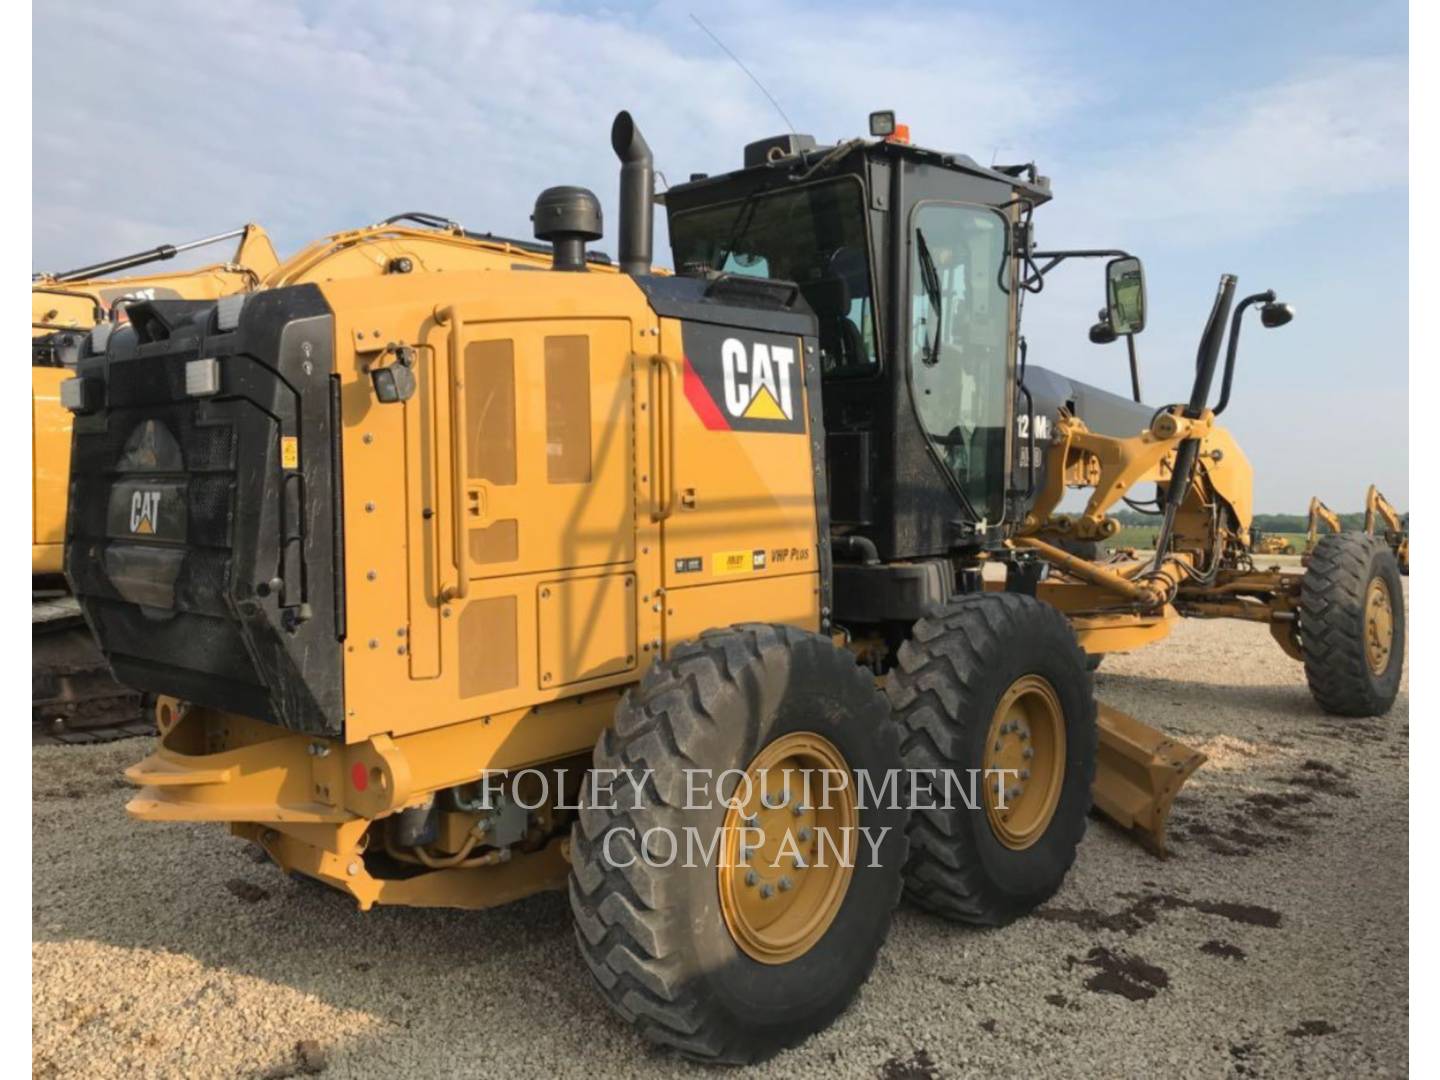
(744, 381)
(757, 385)
(144, 512)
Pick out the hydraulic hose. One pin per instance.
(1189, 449)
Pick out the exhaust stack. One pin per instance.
(637, 195)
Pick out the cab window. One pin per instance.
(959, 336)
(812, 235)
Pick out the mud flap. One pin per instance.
(1138, 773)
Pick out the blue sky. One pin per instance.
(1267, 140)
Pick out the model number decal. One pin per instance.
(1042, 427)
(781, 556)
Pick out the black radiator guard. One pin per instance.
(203, 537)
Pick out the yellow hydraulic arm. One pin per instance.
(1397, 532)
(1320, 514)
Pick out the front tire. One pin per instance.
(976, 686)
(1352, 625)
(735, 962)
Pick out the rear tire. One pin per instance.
(661, 941)
(953, 676)
(1350, 592)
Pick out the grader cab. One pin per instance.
(735, 601)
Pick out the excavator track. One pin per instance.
(75, 700)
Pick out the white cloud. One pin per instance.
(163, 125)
(1260, 159)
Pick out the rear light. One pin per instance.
(81, 395)
(202, 377)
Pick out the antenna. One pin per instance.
(747, 71)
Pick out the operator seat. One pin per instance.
(842, 347)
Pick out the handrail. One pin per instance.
(448, 316)
(662, 440)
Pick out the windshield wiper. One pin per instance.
(930, 278)
(744, 217)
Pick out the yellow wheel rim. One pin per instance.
(1024, 762)
(788, 848)
(1379, 626)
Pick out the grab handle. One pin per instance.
(448, 316)
(662, 439)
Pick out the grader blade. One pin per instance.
(1138, 773)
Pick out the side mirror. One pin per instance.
(1125, 295)
(395, 382)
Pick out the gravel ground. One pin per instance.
(1273, 942)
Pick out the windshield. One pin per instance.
(812, 235)
(959, 338)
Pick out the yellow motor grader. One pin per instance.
(734, 601)
(1269, 543)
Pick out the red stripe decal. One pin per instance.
(701, 401)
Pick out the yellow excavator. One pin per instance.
(1319, 514)
(74, 697)
(1394, 526)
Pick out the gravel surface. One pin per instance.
(1273, 942)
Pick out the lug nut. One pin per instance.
(803, 835)
(1014, 792)
(800, 808)
(1028, 753)
(786, 884)
(752, 878)
(1024, 774)
(766, 891)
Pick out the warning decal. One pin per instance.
(737, 562)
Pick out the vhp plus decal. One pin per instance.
(743, 380)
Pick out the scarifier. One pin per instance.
(423, 563)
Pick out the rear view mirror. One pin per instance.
(1125, 295)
